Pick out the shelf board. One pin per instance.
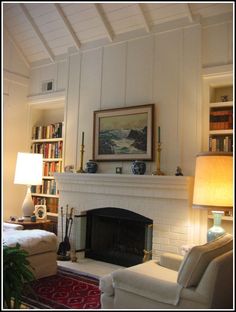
(221, 104)
(52, 159)
(44, 195)
(225, 218)
(48, 178)
(46, 140)
(222, 132)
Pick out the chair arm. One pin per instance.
(171, 261)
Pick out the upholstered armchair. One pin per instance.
(203, 279)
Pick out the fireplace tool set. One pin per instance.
(63, 252)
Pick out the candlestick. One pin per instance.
(158, 170)
(81, 170)
(82, 138)
(159, 135)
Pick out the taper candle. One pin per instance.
(82, 138)
(159, 135)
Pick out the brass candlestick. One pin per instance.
(158, 170)
(81, 159)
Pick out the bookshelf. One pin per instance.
(218, 110)
(221, 119)
(48, 140)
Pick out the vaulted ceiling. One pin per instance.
(45, 31)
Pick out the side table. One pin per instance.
(38, 224)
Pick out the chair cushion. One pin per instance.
(32, 241)
(198, 258)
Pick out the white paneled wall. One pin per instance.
(162, 68)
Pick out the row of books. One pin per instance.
(221, 144)
(48, 187)
(50, 167)
(49, 150)
(47, 132)
(221, 120)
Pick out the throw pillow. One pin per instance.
(198, 258)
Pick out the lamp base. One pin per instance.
(216, 230)
(28, 205)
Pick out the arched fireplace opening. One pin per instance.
(118, 236)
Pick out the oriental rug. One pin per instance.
(65, 290)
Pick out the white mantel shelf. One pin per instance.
(170, 187)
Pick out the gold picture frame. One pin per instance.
(123, 133)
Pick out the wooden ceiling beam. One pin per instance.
(104, 21)
(144, 18)
(188, 11)
(37, 32)
(68, 26)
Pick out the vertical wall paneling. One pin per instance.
(230, 43)
(166, 84)
(113, 93)
(139, 72)
(191, 119)
(113, 76)
(35, 81)
(180, 105)
(90, 89)
(61, 79)
(72, 107)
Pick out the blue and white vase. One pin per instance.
(138, 167)
(91, 167)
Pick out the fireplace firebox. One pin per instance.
(118, 236)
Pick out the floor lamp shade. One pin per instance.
(28, 171)
(213, 186)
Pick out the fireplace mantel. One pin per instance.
(167, 200)
(171, 187)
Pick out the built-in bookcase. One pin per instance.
(46, 134)
(48, 141)
(221, 119)
(218, 111)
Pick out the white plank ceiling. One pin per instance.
(46, 30)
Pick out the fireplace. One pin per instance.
(118, 236)
(166, 200)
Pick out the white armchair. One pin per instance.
(203, 279)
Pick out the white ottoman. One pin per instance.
(41, 246)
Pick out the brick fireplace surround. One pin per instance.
(167, 200)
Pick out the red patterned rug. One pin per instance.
(65, 290)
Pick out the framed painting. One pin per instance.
(123, 133)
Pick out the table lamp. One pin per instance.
(29, 168)
(213, 187)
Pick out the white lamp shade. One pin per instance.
(213, 184)
(29, 169)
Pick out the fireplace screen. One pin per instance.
(118, 236)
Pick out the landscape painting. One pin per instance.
(123, 133)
